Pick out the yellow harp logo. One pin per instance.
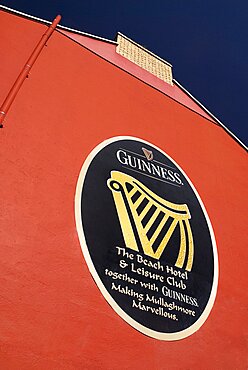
(148, 220)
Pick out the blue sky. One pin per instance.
(205, 41)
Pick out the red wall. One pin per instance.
(108, 51)
(52, 314)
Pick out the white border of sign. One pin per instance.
(79, 222)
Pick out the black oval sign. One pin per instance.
(146, 238)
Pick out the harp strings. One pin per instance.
(155, 219)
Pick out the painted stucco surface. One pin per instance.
(52, 314)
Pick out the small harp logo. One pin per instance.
(148, 221)
(148, 154)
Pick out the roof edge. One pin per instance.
(44, 21)
(229, 132)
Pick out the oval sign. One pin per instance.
(146, 238)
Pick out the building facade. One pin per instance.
(96, 124)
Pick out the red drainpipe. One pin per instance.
(25, 71)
